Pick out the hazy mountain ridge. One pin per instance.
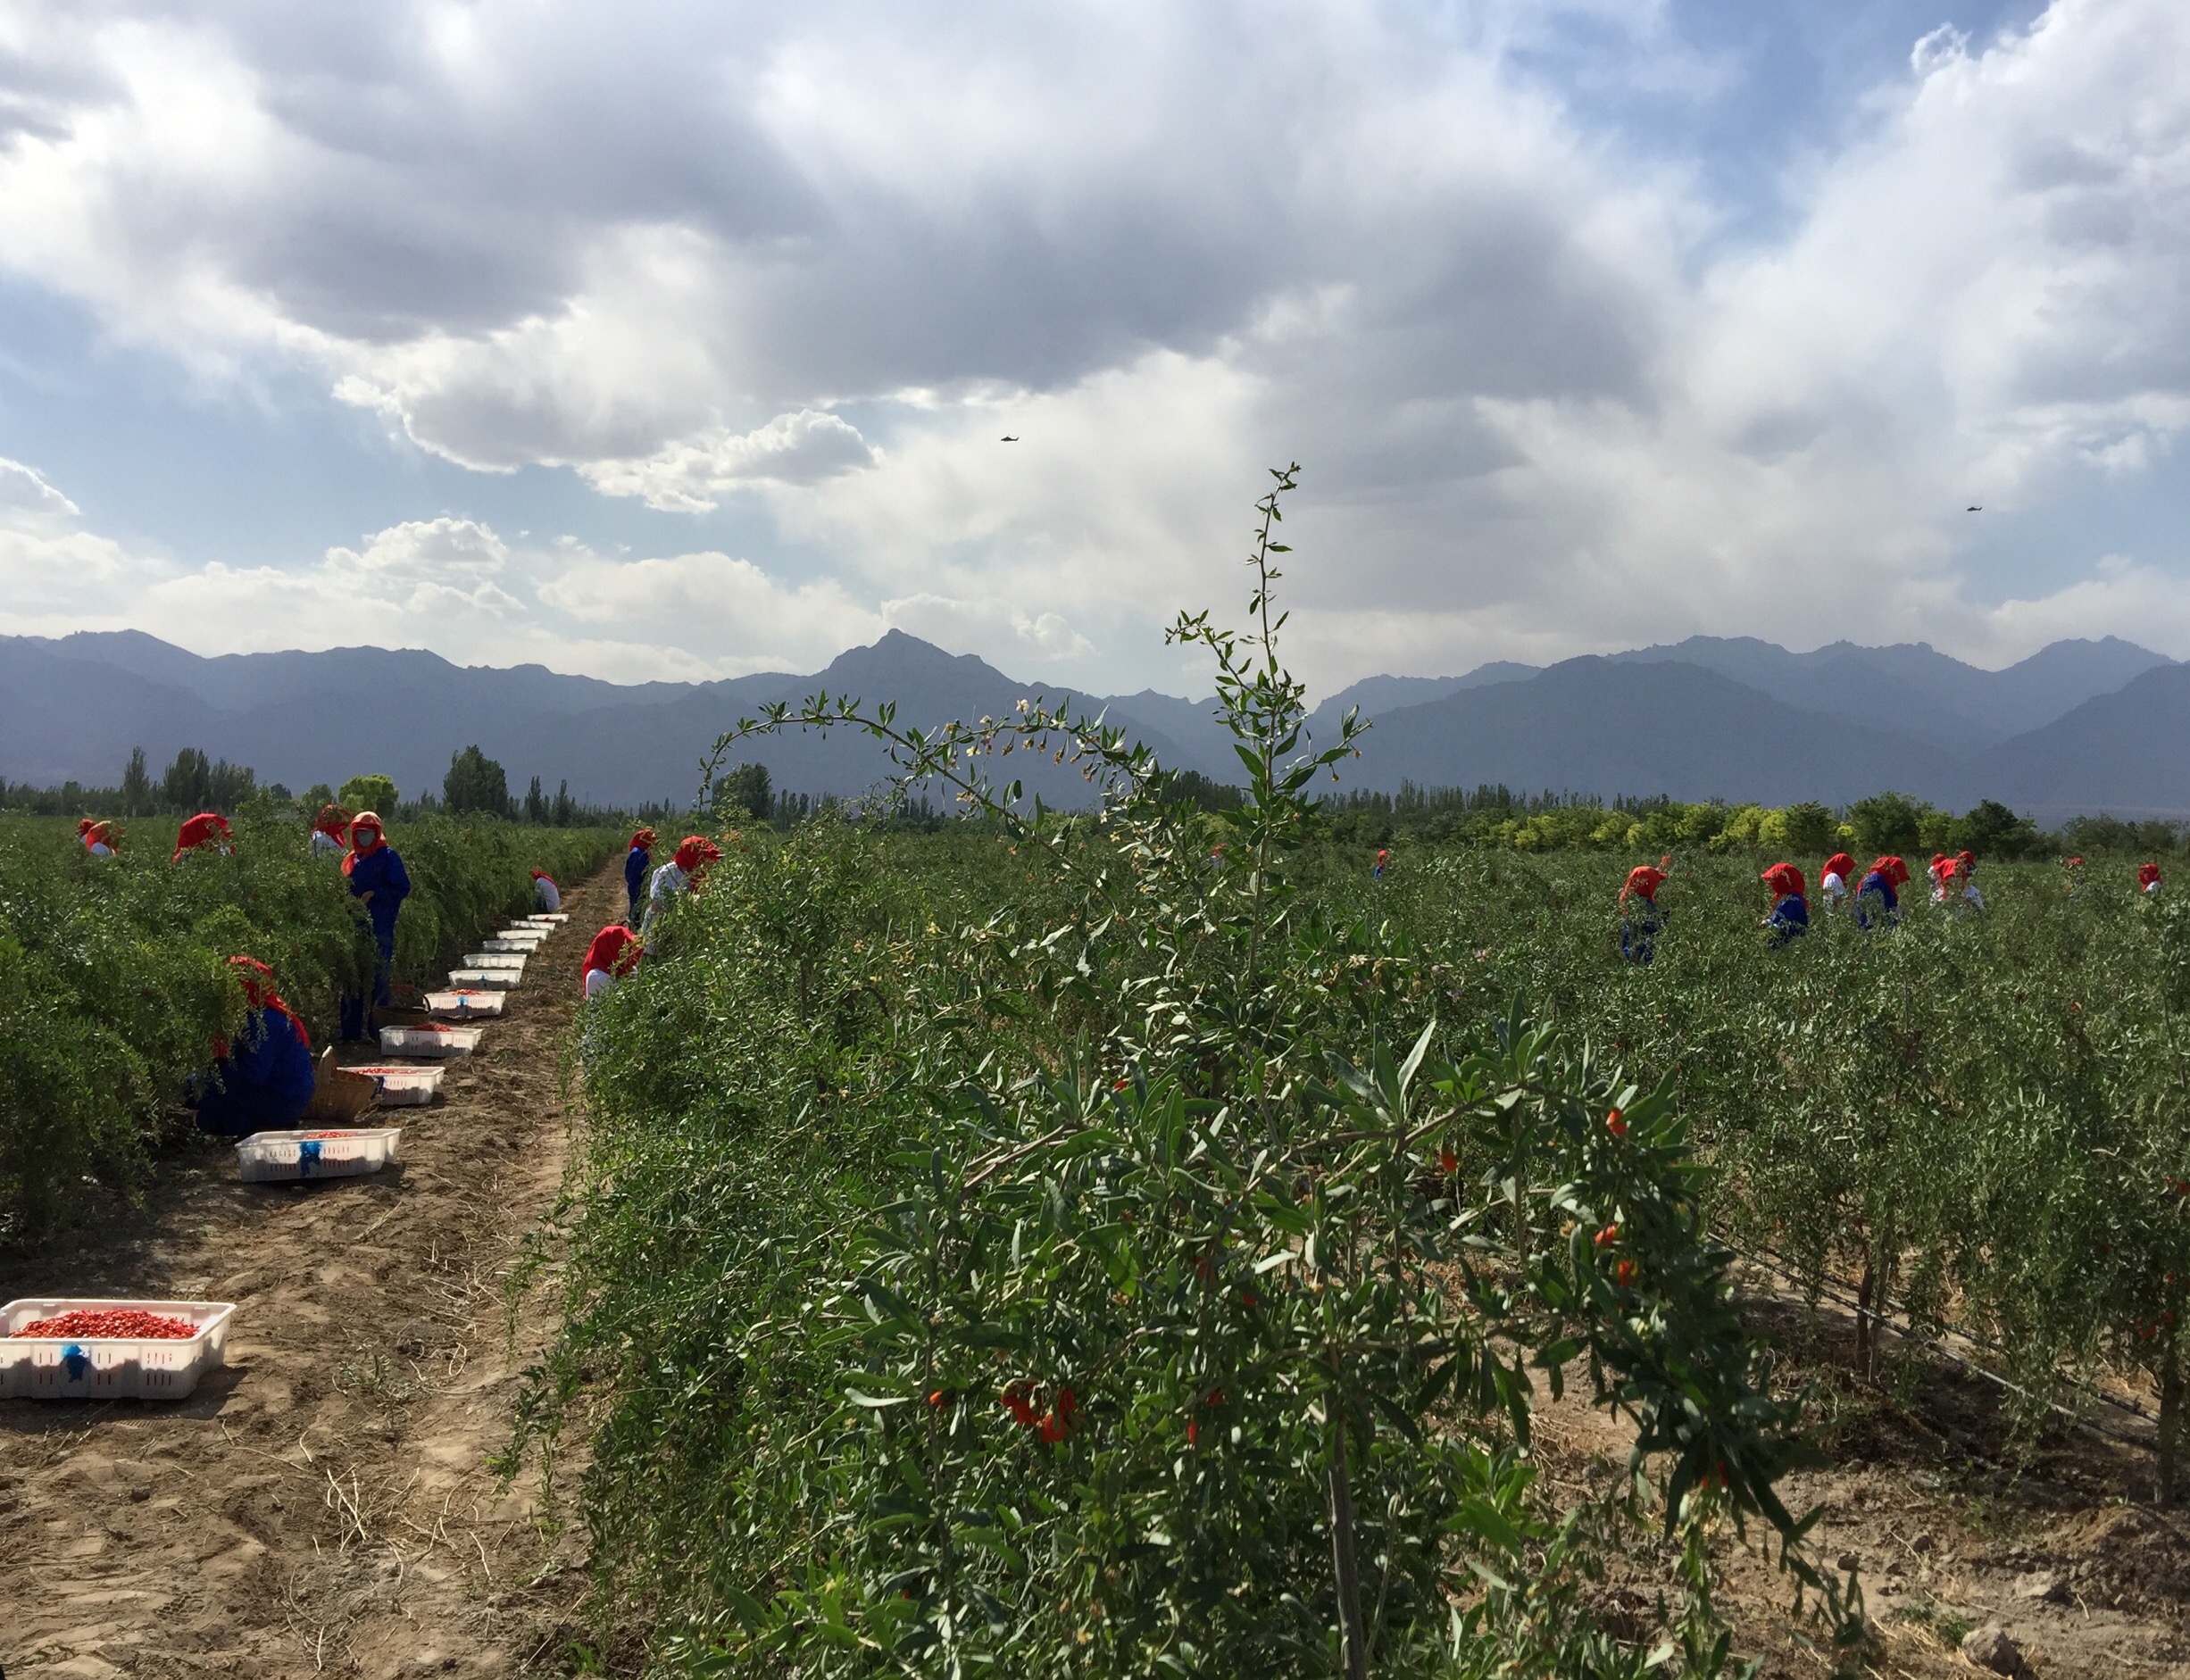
(2096, 725)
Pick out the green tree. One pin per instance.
(1887, 822)
(566, 808)
(137, 793)
(475, 783)
(2094, 835)
(744, 794)
(367, 793)
(186, 785)
(1991, 830)
(536, 803)
(229, 786)
(1810, 827)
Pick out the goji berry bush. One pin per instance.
(1084, 1245)
(114, 979)
(1977, 1119)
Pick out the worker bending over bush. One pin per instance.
(682, 873)
(614, 952)
(208, 829)
(1790, 916)
(261, 1079)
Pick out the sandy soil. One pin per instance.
(323, 1505)
(1950, 1527)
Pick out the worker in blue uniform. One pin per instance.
(636, 863)
(261, 1079)
(1790, 916)
(1878, 903)
(379, 881)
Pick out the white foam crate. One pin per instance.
(109, 1367)
(557, 917)
(265, 1157)
(500, 947)
(531, 938)
(466, 1005)
(434, 1040)
(475, 979)
(512, 960)
(403, 1085)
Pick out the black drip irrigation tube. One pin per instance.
(1771, 1260)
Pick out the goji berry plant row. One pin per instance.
(1110, 1245)
(114, 983)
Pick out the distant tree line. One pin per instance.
(1487, 814)
(1885, 822)
(475, 785)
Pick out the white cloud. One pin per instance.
(455, 584)
(2119, 592)
(991, 626)
(425, 548)
(712, 599)
(808, 268)
(689, 475)
(26, 498)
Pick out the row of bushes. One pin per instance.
(113, 980)
(1976, 1115)
(1058, 1250)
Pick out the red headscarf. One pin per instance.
(1940, 866)
(542, 875)
(369, 823)
(334, 823)
(94, 833)
(1968, 859)
(1841, 864)
(205, 828)
(2147, 873)
(1894, 870)
(1784, 880)
(1643, 880)
(695, 850)
(643, 841)
(258, 984)
(615, 949)
(2071, 863)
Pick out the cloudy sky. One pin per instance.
(678, 340)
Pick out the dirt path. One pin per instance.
(322, 1505)
(1953, 1527)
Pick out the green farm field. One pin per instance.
(786, 1228)
(114, 979)
(1144, 1242)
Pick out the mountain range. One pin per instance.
(2081, 726)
